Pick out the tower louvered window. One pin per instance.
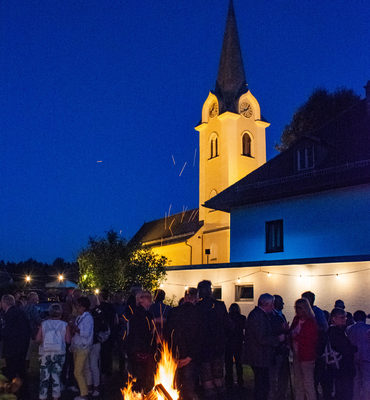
(247, 144)
(214, 147)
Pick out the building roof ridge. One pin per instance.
(300, 176)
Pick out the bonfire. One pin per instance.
(163, 381)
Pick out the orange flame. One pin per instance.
(127, 392)
(165, 374)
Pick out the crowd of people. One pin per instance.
(318, 353)
(74, 343)
(330, 351)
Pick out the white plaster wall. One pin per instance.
(352, 286)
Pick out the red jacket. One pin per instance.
(306, 339)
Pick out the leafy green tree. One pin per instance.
(320, 108)
(115, 264)
(146, 268)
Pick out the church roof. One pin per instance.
(341, 159)
(169, 230)
(231, 82)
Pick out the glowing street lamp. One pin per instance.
(28, 278)
(96, 291)
(61, 277)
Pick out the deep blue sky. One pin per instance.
(123, 82)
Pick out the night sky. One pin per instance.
(99, 99)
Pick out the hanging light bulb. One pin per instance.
(239, 280)
(337, 276)
(268, 274)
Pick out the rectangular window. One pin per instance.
(244, 292)
(274, 236)
(217, 293)
(305, 158)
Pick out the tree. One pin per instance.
(115, 264)
(320, 108)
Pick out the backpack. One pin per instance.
(104, 335)
(53, 340)
(330, 356)
(101, 327)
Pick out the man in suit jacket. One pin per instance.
(358, 335)
(213, 342)
(279, 372)
(260, 342)
(16, 339)
(182, 331)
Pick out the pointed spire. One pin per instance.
(231, 82)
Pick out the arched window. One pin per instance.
(246, 145)
(214, 146)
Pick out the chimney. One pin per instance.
(367, 88)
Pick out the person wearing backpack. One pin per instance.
(53, 335)
(344, 375)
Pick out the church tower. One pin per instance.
(231, 141)
(231, 145)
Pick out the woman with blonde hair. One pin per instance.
(304, 333)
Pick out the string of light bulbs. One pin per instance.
(269, 273)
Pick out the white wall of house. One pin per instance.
(326, 224)
(290, 281)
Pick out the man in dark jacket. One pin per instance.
(16, 339)
(213, 342)
(260, 341)
(182, 331)
(106, 351)
(279, 371)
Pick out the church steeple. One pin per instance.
(231, 82)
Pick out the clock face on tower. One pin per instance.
(213, 110)
(246, 110)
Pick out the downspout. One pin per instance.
(191, 253)
(201, 238)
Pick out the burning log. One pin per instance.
(163, 392)
(152, 395)
(158, 390)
